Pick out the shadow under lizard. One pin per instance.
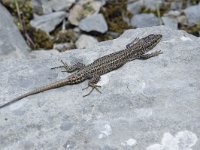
(137, 49)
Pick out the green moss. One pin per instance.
(160, 11)
(104, 37)
(195, 2)
(40, 39)
(87, 10)
(191, 29)
(87, 7)
(64, 36)
(114, 13)
(21, 10)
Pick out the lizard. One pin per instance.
(136, 49)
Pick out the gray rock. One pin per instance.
(41, 7)
(12, 43)
(75, 14)
(61, 5)
(170, 22)
(152, 4)
(173, 13)
(48, 22)
(84, 9)
(85, 41)
(49, 6)
(144, 20)
(135, 7)
(176, 5)
(36, 6)
(96, 22)
(192, 14)
(63, 46)
(146, 104)
(66, 126)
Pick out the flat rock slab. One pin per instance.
(146, 104)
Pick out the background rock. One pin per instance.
(135, 7)
(95, 22)
(192, 14)
(170, 22)
(61, 5)
(49, 6)
(142, 103)
(84, 9)
(48, 22)
(85, 41)
(144, 20)
(12, 43)
(152, 4)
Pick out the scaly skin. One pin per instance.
(134, 50)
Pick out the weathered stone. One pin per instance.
(144, 105)
(152, 4)
(144, 20)
(85, 41)
(192, 14)
(63, 46)
(12, 43)
(135, 7)
(84, 9)
(48, 22)
(95, 22)
(48, 6)
(170, 22)
(61, 5)
(75, 14)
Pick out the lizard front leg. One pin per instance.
(147, 56)
(92, 83)
(129, 46)
(72, 68)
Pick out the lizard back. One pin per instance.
(117, 59)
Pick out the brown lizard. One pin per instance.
(134, 50)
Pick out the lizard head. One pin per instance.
(151, 40)
(145, 44)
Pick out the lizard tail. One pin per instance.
(57, 84)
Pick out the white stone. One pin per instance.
(85, 41)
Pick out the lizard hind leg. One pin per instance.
(92, 83)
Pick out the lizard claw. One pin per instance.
(94, 86)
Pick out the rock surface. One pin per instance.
(152, 4)
(146, 104)
(12, 43)
(84, 9)
(85, 41)
(193, 14)
(61, 5)
(49, 6)
(48, 22)
(170, 22)
(135, 6)
(144, 20)
(95, 22)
